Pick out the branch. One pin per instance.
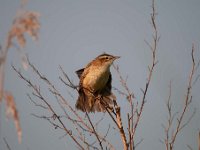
(118, 122)
(7, 145)
(199, 140)
(94, 131)
(78, 122)
(187, 102)
(153, 47)
(121, 129)
(39, 95)
(170, 118)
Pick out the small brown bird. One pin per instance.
(95, 85)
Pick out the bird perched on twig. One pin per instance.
(95, 85)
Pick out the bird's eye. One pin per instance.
(107, 58)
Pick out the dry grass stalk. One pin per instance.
(11, 111)
(24, 22)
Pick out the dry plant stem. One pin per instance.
(39, 95)
(24, 22)
(92, 130)
(49, 120)
(82, 138)
(10, 105)
(88, 117)
(57, 126)
(199, 140)
(7, 145)
(170, 139)
(121, 129)
(119, 124)
(153, 48)
(3, 57)
(2, 74)
(170, 118)
(95, 133)
(133, 117)
(80, 123)
(56, 92)
(129, 97)
(74, 122)
(129, 132)
(187, 102)
(189, 147)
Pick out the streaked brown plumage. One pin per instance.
(95, 85)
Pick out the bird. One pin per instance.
(94, 88)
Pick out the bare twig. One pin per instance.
(78, 121)
(170, 118)
(170, 138)
(153, 48)
(118, 122)
(189, 147)
(55, 125)
(94, 131)
(39, 105)
(138, 143)
(133, 117)
(187, 102)
(129, 97)
(7, 145)
(71, 85)
(199, 140)
(39, 95)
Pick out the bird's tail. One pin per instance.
(83, 103)
(92, 104)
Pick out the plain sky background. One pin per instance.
(75, 31)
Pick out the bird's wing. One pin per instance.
(83, 71)
(79, 72)
(107, 90)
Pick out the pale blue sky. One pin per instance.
(74, 32)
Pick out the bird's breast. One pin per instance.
(96, 79)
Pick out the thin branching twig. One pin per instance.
(170, 138)
(38, 94)
(198, 138)
(77, 122)
(187, 102)
(7, 145)
(153, 48)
